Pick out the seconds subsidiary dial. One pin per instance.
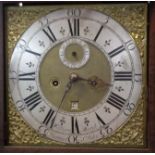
(75, 76)
(69, 49)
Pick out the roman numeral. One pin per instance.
(33, 100)
(116, 51)
(98, 33)
(75, 27)
(100, 119)
(27, 76)
(50, 34)
(116, 101)
(75, 127)
(32, 52)
(122, 76)
(49, 118)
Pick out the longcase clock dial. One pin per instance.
(75, 76)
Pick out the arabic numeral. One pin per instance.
(109, 130)
(128, 110)
(21, 44)
(43, 130)
(20, 105)
(102, 132)
(74, 12)
(106, 131)
(73, 139)
(130, 45)
(138, 77)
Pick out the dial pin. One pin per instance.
(55, 83)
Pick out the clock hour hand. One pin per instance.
(94, 81)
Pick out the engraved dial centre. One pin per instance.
(90, 83)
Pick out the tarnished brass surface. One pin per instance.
(89, 96)
(133, 18)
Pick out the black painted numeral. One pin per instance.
(33, 100)
(50, 34)
(116, 101)
(75, 126)
(32, 52)
(122, 76)
(98, 33)
(27, 76)
(74, 27)
(116, 51)
(49, 118)
(100, 119)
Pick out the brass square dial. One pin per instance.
(76, 75)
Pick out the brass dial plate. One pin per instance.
(139, 36)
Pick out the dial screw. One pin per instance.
(74, 53)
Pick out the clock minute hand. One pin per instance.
(73, 78)
(67, 88)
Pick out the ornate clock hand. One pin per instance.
(94, 81)
(67, 88)
(97, 82)
(72, 78)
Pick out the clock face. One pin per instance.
(75, 76)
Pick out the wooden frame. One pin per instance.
(150, 100)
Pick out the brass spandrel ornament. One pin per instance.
(133, 18)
